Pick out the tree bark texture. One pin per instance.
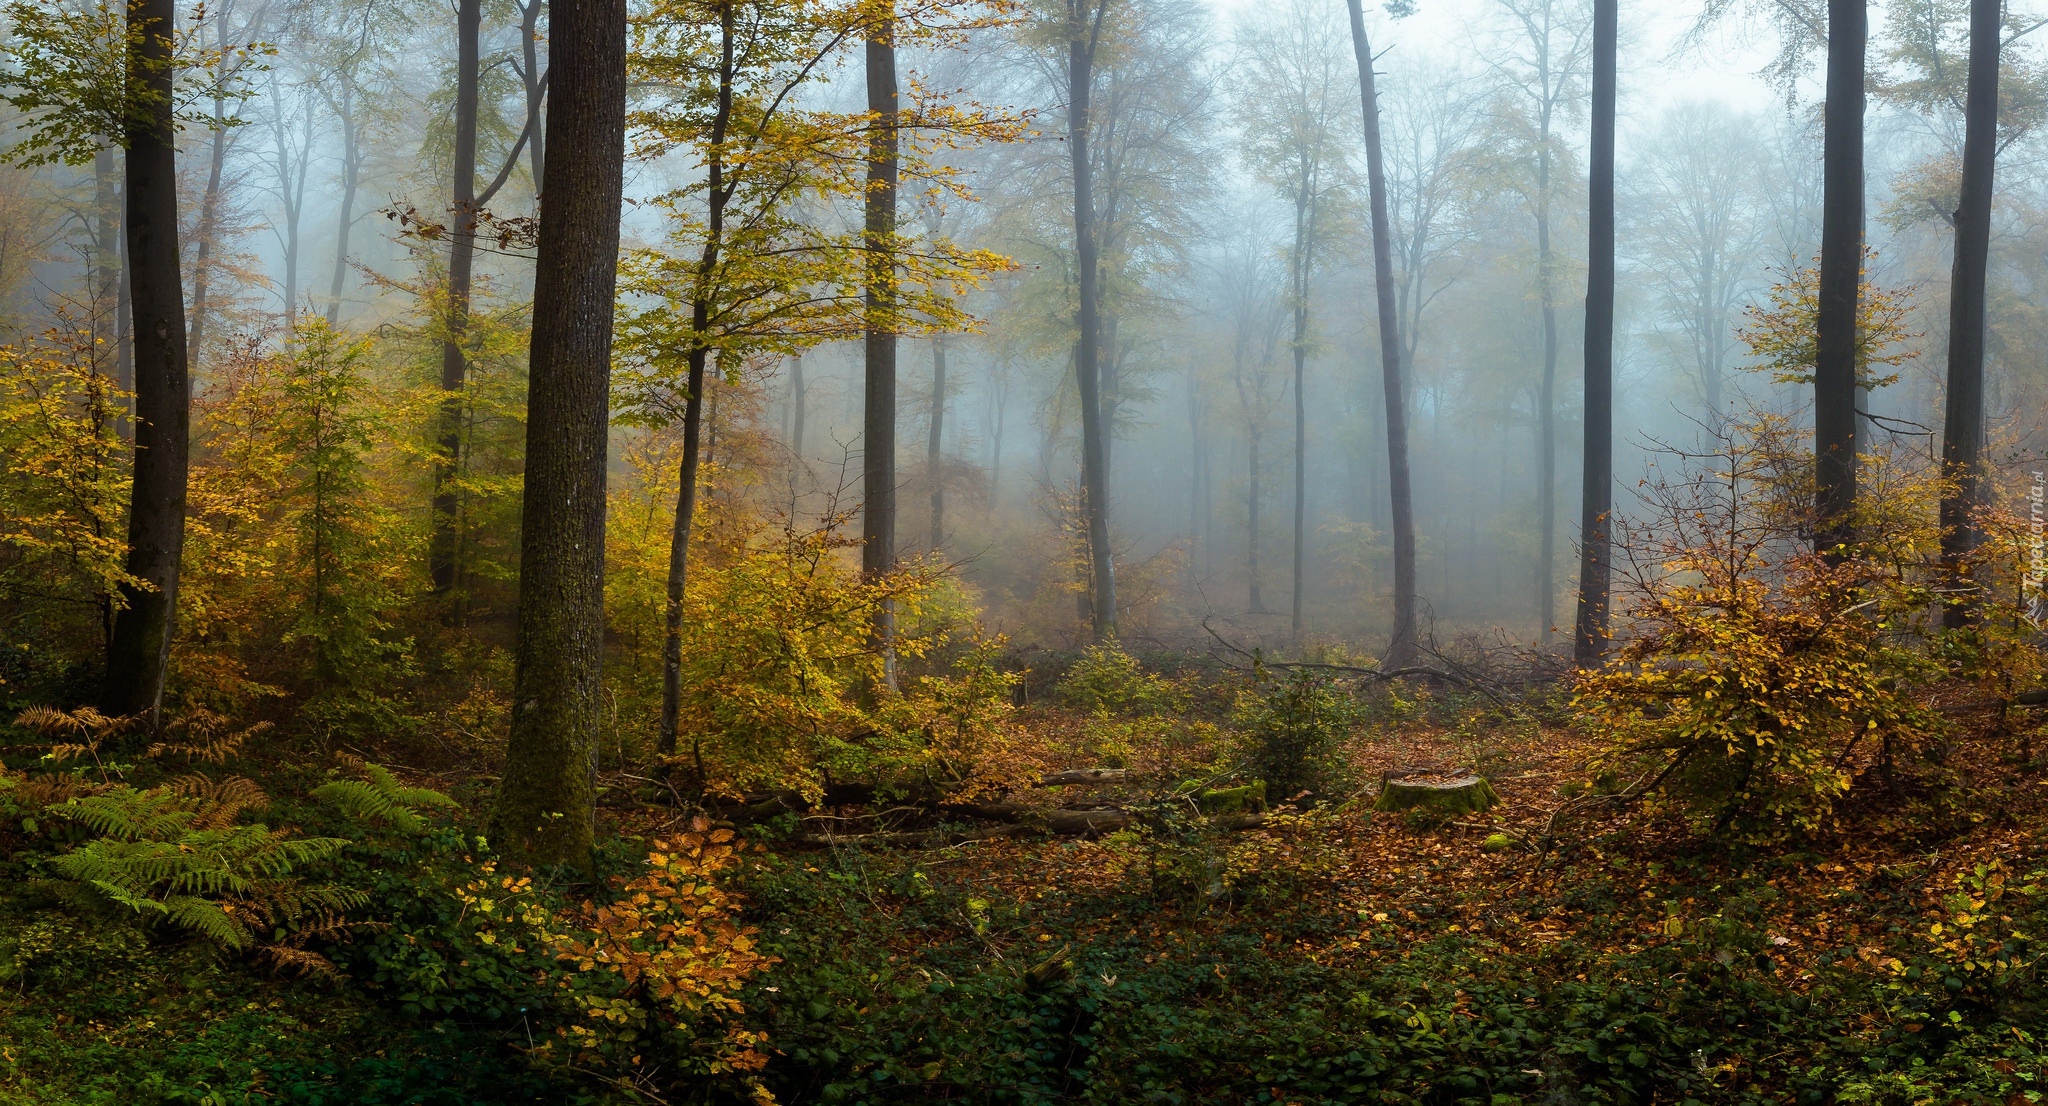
(443, 555)
(1596, 495)
(545, 804)
(1841, 276)
(878, 422)
(138, 657)
(1084, 33)
(1962, 440)
(1402, 645)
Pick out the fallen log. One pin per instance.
(1084, 777)
(1447, 798)
(1086, 823)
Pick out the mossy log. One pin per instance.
(1449, 798)
(1250, 797)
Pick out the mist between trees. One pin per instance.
(1148, 393)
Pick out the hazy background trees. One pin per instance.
(376, 171)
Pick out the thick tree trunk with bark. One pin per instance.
(444, 539)
(1402, 646)
(1841, 277)
(1084, 31)
(1596, 502)
(546, 801)
(1962, 442)
(878, 421)
(138, 657)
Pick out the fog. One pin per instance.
(1231, 212)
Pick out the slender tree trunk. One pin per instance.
(933, 447)
(717, 193)
(351, 176)
(995, 472)
(1251, 547)
(1546, 399)
(546, 801)
(443, 540)
(1083, 33)
(1962, 440)
(107, 282)
(138, 657)
(878, 424)
(798, 394)
(1302, 235)
(292, 179)
(1841, 277)
(536, 89)
(679, 562)
(209, 225)
(1402, 647)
(1596, 503)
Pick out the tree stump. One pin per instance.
(1448, 798)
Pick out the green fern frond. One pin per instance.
(207, 919)
(381, 798)
(130, 815)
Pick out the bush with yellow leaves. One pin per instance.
(1760, 678)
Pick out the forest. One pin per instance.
(1309, 552)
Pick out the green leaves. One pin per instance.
(178, 857)
(78, 79)
(381, 798)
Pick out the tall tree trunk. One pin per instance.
(444, 539)
(351, 176)
(1256, 601)
(878, 422)
(209, 223)
(138, 656)
(292, 186)
(798, 394)
(1841, 277)
(531, 75)
(546, 801)
(1596, 496)
(716, 193)
(1083, 35)
(1195, 448)
(1546, 398)
(1302, 235)
(1962, 439)
(108, 282)
(934, 456)
(1402, 647)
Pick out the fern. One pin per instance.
(176, 854)
(381, 798)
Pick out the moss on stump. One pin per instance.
(1443, 798)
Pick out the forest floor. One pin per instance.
(1601, 954)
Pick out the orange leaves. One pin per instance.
(672, 934)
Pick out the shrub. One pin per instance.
(1291, 726)
(1762, 676)
(1108, 681)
